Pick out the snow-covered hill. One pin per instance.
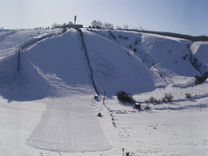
(167, 57)
(59, 63)
(12, 38)
(49, 77)
(128, 61)
(200, 55)
(115, 68)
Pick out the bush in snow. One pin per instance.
(198, 79)
(153, 100)
(135, 50)
(137, 106)
(99, 115)
(167, 98)
(147, 108)
(201, 79)
(188, 95)
(124, 97)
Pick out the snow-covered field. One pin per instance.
(142, 133)
(48, 107)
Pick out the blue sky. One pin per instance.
(183, 16)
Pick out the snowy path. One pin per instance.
(69, 125)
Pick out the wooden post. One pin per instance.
(104, 98)
(122, 151)
(18, 61)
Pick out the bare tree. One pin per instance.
(126, 26)
(97, 24)
(118, 27)
(108, 25)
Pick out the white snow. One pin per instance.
(49, 107)
(161, 133)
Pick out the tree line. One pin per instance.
(106, 25)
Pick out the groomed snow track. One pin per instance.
(69, 127)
